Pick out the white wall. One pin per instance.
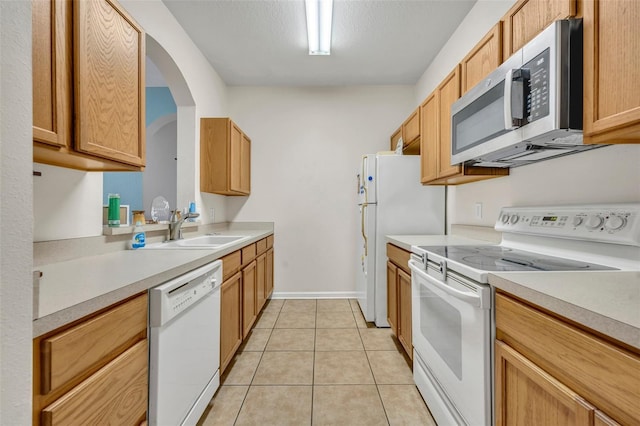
(609, 174)
(16, 260)
(306, 147)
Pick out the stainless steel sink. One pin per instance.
(199, 243)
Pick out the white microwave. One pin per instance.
(527, 110)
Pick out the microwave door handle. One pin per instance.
(508, 84)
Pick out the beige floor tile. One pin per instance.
(346, 367)
(390, 368)
(287, 339)
(266, 320)
(360, 322)
(378, 339)
(347, 405)
(242, 368)
(273, 305)
(296, 320)
(354, 305)
(299, 305)
(335, 320)
(334, 305)
(338, 339)
(285, 368)
(404, 406)
(224, 407)
(276, 405)
(257, 340)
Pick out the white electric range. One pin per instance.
(452, 303)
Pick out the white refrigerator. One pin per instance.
(391, 201)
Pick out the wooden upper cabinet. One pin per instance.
(484, 58)
(52, 72)
(410, 133)
(611, 64)
(88, 62)
(395, 137)
(225, 157)
(109, 85)
(528, 17)
(436, 168)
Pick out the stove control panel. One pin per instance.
(613, 223)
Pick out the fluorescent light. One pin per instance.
(319, 15)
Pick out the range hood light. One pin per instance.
(319, 17)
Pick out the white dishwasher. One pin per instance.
(184, 346)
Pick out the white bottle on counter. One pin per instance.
(138, 239)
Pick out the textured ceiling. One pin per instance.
(374, 42)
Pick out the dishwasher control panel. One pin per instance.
(170, 299)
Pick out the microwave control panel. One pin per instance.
(618, 223)
(538, 96)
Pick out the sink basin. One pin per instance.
(199, 243)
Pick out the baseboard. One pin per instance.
(314, 295)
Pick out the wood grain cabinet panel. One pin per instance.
(231, 264)
(88, 86)
(527, 18)
(225, 157)
(395, 137)
(230, 319)
(69, 354)
(249, 313)
(404, 312)
(261, 246)
(604, 374)
(116, 394)
(269, 284)
(248, 254)
(392, 296)
(611, 64)
(261, 290)
(429, 139)
(483, 59)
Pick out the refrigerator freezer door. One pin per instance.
(367, 180)
(366, 267)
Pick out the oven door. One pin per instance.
(452, 346)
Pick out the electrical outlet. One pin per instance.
(478, 210)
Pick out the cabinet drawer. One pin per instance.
(399, 256)
(261, 246)
(605, 375)
(116, 394)
(92, 344)
(248, 254)
(231, 264)
(270, 241)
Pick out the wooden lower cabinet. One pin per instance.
(549, 371)
(261, 290)
(230, 319)
(399, 296)
(249, 313)
(95, 370)
(269, 273)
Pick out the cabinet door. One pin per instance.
(392, 296)
(261, 291)
(230, 319)
(429, 139)
(404, 312)
(448, 93)
(245, 165)
(611, 64)
(526, 394)
(269, 273)
(528, 17)
(485, 57)
(52, 71)
(411, 128)
(235, 161)
(109, 76)
(116, 394)
(248, 298)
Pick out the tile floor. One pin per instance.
(317, 362)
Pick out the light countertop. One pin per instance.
(72, 289)
(406, 241)
(605, 301)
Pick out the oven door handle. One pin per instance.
(469, 297)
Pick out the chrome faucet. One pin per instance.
(175, 224)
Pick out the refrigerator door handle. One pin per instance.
(364, 235)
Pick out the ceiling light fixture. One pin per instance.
(319, 16)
